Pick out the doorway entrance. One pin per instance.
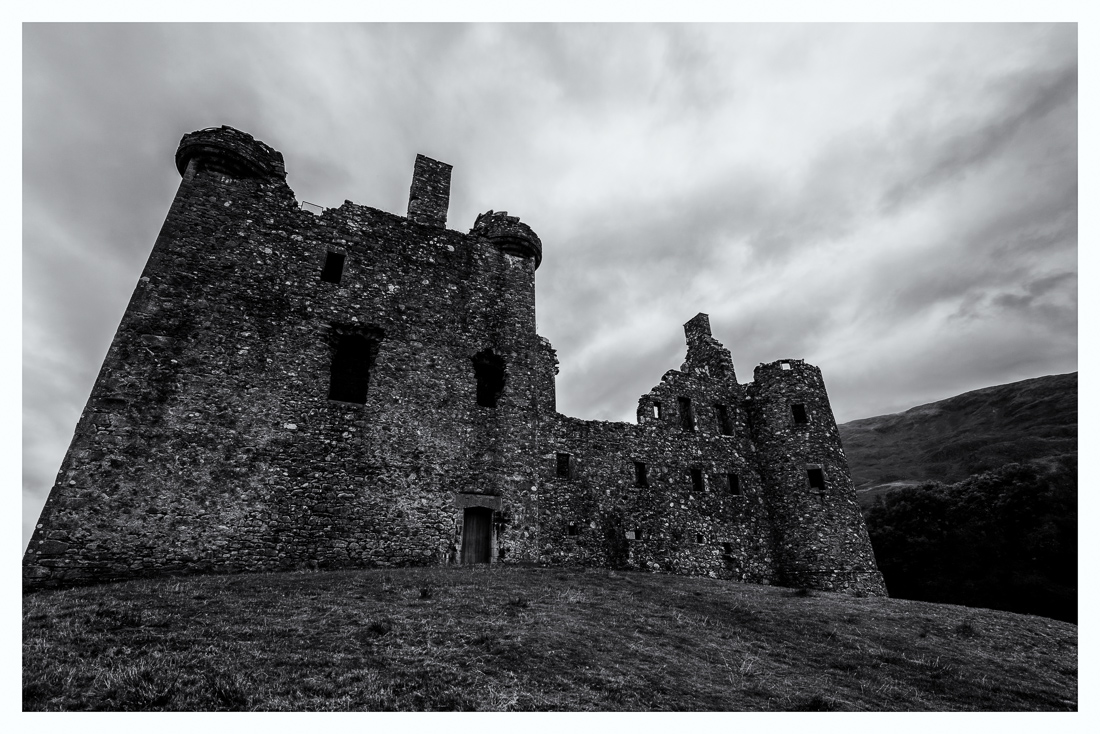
(477, 535)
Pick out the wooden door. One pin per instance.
(477, 535)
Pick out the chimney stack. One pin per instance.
(430, 193)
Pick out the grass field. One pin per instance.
(527, 639)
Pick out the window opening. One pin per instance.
(697, 480)
(351, 364)
(798, 410)
(687, 420)
(656, 410)
(640, 478)
(572, 528)
(565, 466)
(489, 372)
(699, 539)
(735, 483)
(724, 425)
(727, 548)
(817, 478)
(334, 267)
(784, 365)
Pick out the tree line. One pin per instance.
(1003, 539)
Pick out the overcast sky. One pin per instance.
(895, 204)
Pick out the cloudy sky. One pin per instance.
(895, 204)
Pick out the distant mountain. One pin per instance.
(952, 439)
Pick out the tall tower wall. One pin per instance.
(213, 439)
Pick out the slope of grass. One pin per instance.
(527, 639)
(951, 439)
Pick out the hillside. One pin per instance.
(951, 439)
(493, 638)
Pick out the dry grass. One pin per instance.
(527, 639)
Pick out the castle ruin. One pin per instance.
(356, 388)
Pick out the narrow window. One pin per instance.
(489, 371)
(572, 528)
(351, 365)
(656, 410)
(640, 478)
(697, 480)
(798, 410)
(565, 466)
(727, 548)
(735, 483)
(687, 420)
(630, 535)
(699, 539)
(817, 478)
(334, 267)
(724, 425)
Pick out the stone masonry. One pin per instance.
(356, 388)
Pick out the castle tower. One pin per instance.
(288, 389)
(820, 539)
(511, 366)
(113, 494)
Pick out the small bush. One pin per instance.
(228, 691)
(966, 628)
(380, 627)
(817, 702)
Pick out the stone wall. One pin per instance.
(353, 388)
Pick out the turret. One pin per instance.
(821, 541)
(509, 234)
(228, 151)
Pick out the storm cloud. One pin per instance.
(894, 203)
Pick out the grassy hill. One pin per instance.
(527, 639)
(951, 439)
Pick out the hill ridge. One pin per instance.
(977, 430)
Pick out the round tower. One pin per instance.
(506, 253)
(820, 538)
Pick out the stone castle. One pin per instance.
(356, 388)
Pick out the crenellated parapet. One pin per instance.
(509, 234)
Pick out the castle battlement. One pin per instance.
(358, 388)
